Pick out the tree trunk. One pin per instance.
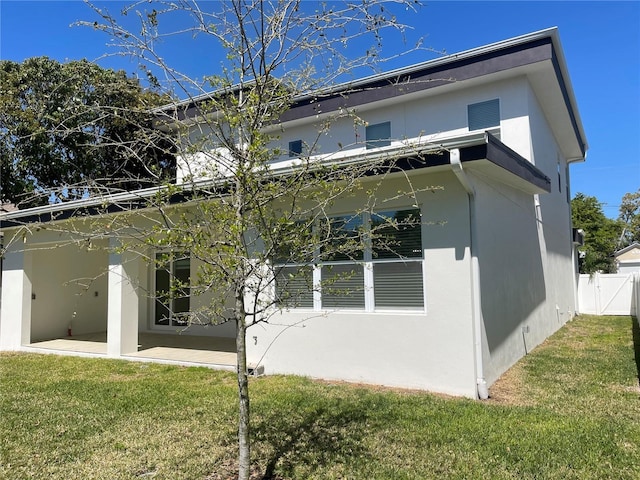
(244, 446)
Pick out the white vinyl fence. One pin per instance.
(609, 294)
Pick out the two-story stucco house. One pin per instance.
(485, 286)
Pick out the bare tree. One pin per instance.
(256, 216)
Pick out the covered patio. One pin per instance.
(215, 352)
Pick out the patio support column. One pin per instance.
(122, 309)
(15, 309)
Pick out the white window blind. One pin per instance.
(379, 252)
(294, 286)
(398, 285)
(344, 287)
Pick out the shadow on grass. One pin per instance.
(327, 433)
(636, 343)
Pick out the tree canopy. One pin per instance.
(67, 129)
(601, 234)
(630, 218)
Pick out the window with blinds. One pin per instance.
(294, 286)
(378, 135)
(484, 115)
(372, 261)
(396, 234)
(343, 286)
(346, 238)
(398, 285)
(396, 256)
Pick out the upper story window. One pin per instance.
(378, 135)
(295, 148)
(484, 114)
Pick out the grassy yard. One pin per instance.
(569, 410)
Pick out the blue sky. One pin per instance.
(601, 41)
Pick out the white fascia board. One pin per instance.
(83, 203)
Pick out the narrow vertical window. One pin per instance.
(342, 273)
(567, 190)
(172, 277)
(295, 148)
(293, 270)
(378, 135)
(559, 177)
(484, 114)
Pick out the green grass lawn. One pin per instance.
(570, 409)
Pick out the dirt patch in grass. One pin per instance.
(508, 389)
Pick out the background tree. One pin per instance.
(67, 129)
(630, 218)
(256, 232)
(601, 234)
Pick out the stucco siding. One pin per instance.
(431, 350)
(511, 271)
(525, 252)
(69, 291)
(554, 220)
(425, 116)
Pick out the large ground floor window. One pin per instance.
(172, 278)
(379, 268)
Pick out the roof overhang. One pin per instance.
(497, 161)
(538, 56)
(489, 157)
(482, 153)
(633, 246)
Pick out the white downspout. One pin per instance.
(456, 166)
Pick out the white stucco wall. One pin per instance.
(555, 219)
(69, 289)
(427, 116)
(432, 350)
(525, 252)
(15, 314)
